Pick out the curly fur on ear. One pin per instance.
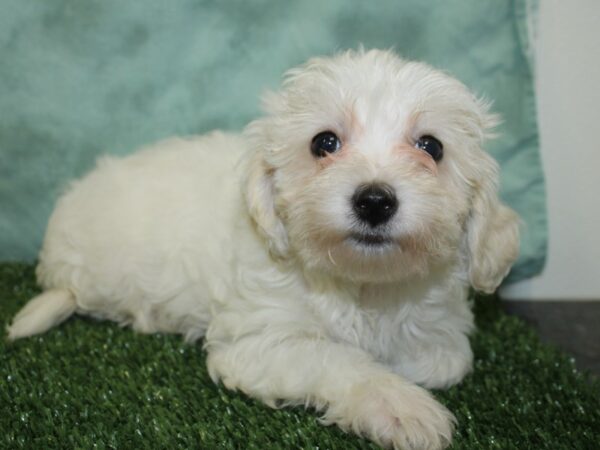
(260, 198)
(492, 233)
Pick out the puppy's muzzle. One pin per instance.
(374, 204)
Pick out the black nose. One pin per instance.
(375, 203)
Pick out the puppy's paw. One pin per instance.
(393, 413)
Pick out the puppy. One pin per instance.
(324, 256)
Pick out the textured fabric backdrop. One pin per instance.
(79, 78)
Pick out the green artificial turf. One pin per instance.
(90, 384)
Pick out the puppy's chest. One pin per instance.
(380, 327)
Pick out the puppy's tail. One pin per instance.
(42, 313)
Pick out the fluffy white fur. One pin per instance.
(243, 240)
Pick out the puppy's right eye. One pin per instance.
(325, 142)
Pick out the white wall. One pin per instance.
(568, 99)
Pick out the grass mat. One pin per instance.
(90, 384)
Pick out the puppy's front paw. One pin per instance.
(393, 413)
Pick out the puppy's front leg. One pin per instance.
(285, 362)
(438, 355)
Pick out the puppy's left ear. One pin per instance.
(492, 233)
(260, 196)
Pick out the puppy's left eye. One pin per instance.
(325, 142)
(432, 146)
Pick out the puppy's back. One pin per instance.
(149, 225)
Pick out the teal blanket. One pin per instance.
(81, 78)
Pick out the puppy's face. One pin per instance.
(370, 168)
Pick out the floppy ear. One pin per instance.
(260, 200)
(492, 234)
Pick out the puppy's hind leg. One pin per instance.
(42, 313)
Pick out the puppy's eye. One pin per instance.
(432, 146)
(325, 142)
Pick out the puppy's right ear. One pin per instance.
(260, 200)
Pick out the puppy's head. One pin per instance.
(369, 167)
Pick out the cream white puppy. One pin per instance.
(325, 255)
